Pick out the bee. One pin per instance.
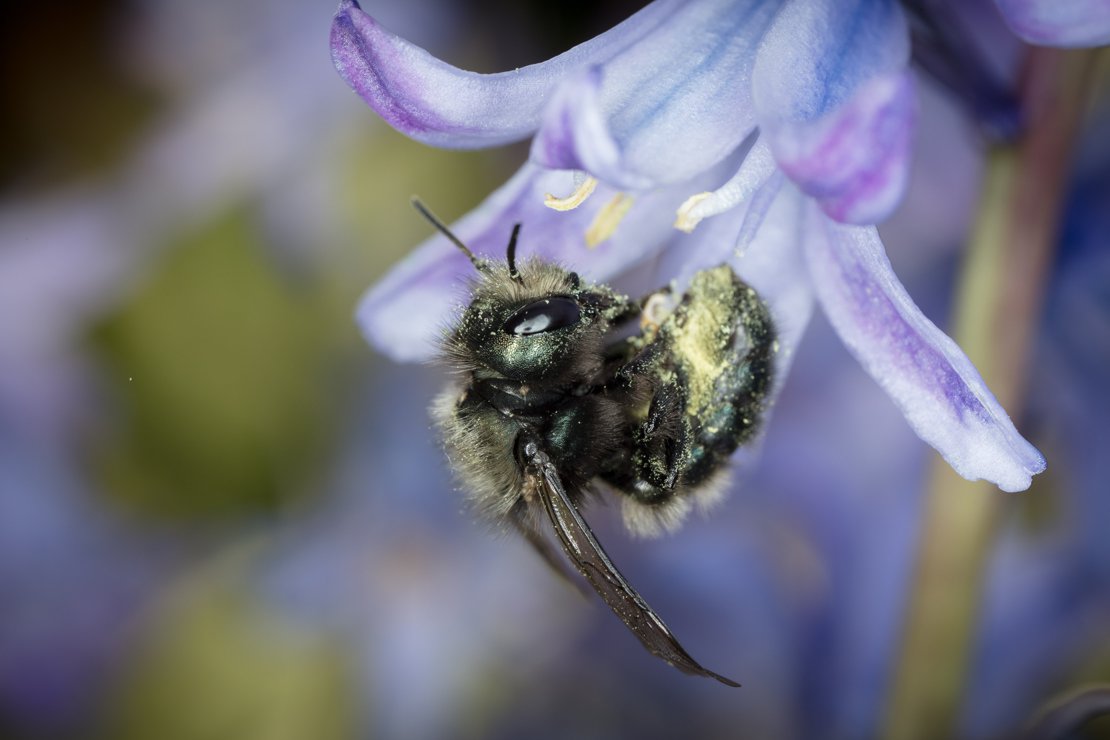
(554, 402)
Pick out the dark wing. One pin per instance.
(546, 551)
(586, 553)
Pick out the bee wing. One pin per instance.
(548, 553)
(592, 562)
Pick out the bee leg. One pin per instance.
(616, 356)
(661, 440)
(628, 365)
(617, 312)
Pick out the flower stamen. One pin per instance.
(607, 220)
(583, 188)
(757, 168)
(685, 220)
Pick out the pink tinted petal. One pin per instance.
(819, 52)
(665, 108)
(833, 99)
(926, 374)
(438, 104)
(855, 161)
(1069, 23)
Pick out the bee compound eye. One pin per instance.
(546, 314)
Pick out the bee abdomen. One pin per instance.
(722, 340)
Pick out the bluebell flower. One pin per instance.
(784, 125)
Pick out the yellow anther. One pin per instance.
(608, 219)
(575, 199)
(684, 220)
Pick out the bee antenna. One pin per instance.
(510, 255)
(478, 263)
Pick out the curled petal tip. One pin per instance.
(428, 99)
(404, 329)
(925, 373)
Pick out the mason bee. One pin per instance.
(554, 402)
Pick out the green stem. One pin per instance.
(996, 311)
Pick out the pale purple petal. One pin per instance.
(745, 200)
(772, 261)
(1069, 23)
(926, 374)
(760, 203)
(575, 135)
(758, 168)
(837, 107)
(403, 315)
(438, 104)
(666, 108)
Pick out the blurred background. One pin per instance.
(222, 516)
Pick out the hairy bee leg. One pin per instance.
(615, 357)
(543, 547)
(627, 358)
(637, 364)
(663, 405)
(661, 443)
(617, 312)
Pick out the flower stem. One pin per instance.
(996, 312)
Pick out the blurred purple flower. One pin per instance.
(1068, 23)
(803, 110)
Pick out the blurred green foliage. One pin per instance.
(213, 664)
(230, 366)
(383, 169)
(221, 364)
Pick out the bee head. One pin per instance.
(542, 325)
(535, 321)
